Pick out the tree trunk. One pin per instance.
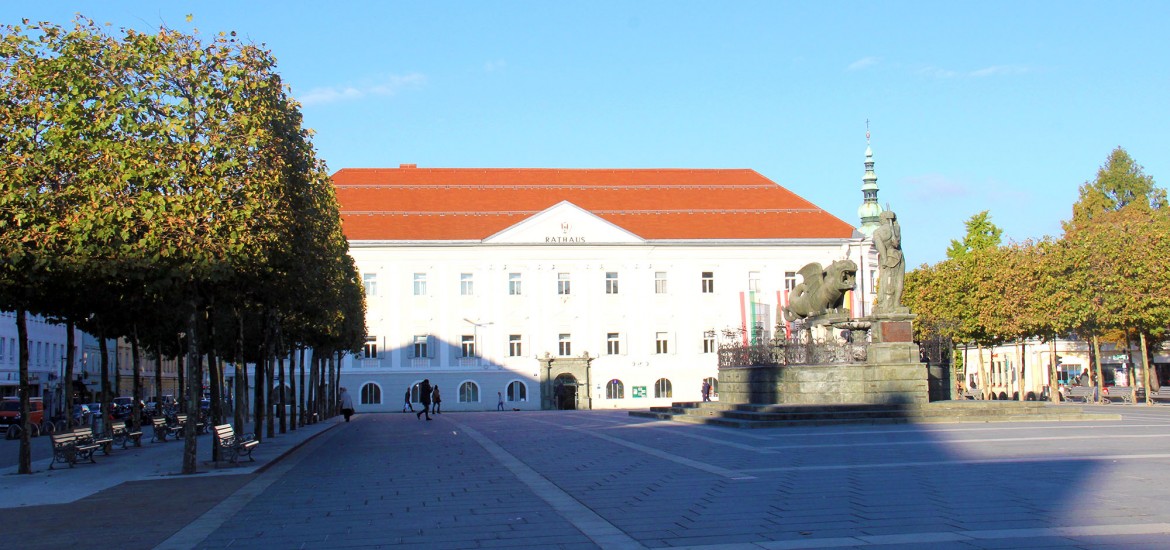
(1149, 379)
(158, 382)
(1018, 372)
(258, 398)
(194, 392)
(108, 402)
(282, 395)
(1097, 363)
(1053, 377)
(270, 380)
(137, 376)
(181, 391)
(984, 380)
(67, 383)
(25, 453)
(1131, 372)
(240, 395)
(292, 388)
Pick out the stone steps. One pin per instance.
(770, 416)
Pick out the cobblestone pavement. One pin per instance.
(603, 479)
(594, 479)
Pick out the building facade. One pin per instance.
(562, 289)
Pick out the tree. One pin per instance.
(1120, 182)
(982, 234)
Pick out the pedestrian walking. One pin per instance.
(706, 391)
(436, 400)
(406, 404)
(424, 395)
(500, 404)
(346, 404)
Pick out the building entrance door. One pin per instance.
(565, 392)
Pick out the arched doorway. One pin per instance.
(565, 392)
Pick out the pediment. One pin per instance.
(564, 224)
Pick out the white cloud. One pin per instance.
(385, 87)
(993, 70)
(996, 70)
(930, 187)
(935, 72)
(863, 63)
(493, 66)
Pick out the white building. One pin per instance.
(572, 288)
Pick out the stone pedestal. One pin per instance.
(864, 383)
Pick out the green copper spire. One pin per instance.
(870, 211)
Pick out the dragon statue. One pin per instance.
(822, 290)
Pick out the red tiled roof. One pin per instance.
(472, 203)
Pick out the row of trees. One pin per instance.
(1106, 277)
(160, 187)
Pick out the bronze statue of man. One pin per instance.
(891, 264)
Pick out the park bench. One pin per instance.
(232, 447)
(1084, 394)
(68, 450)
(161, 429)
(181, 425)
(85, 436)
(123, 436)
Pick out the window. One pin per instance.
(565, 346)
(662, 388)
(517, 391)
(708, 282)
(370, 349)
(466, 284)
(420, 284)
(789, 280)
(468, 345)
(611, 282)
(514, 346)
(613, 345)
(709, 341)
(370, 282)
(615, 390)
(754, 281)
(513, 284)
(660, 282)
(563, 283)
(661, 343)
(468, 392)
(420, 346)
(371, 394)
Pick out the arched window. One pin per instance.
(517, 391)
(468, 392)
(371, 394)
(615, 390)
(662, 388)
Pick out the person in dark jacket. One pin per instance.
(406, 404)
(424, 395)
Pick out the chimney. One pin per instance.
(405, 166)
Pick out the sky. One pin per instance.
(971, 105)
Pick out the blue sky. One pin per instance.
(1000, 106)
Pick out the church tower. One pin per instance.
(869, 211)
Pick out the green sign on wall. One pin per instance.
(639, 391)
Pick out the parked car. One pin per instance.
(123, 406)
(81, 414)
(10, 411)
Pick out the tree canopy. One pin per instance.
(150, 178)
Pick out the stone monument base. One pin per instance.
(892, 375)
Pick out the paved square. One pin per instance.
(592, 479)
